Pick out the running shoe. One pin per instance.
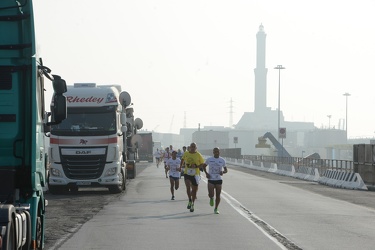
(192, 207)
(211, 202)
(189, 205)
(172, 197)
(216, 211)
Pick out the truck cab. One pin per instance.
(89, 148)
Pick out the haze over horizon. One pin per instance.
(183, 61)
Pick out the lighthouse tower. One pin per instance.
(263, 118)
(260, 72)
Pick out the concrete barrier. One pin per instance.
(330, 177)
(341, 179)
(307, 173)
(354, 181)
(285, 169)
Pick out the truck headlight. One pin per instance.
(55, 172)
(111, 171)
(112, 154)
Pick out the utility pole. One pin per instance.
(346, 114)
(329, 121)
(279, 67)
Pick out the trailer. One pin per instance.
(145, 147)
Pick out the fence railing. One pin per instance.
(321, 164)
(336, 173)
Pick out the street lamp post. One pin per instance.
(279, 67)
(329, 121)
(346, 114)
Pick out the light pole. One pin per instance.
(279, 67)
(329, 121)
(346, 113)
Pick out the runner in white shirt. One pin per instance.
(157, 155)
(217, 167)
(166, 157)
(173, 165)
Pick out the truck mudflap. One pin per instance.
(131, 169)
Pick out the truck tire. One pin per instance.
(125, 178)
(39, 233)
(115, 189)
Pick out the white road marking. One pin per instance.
(279, 239)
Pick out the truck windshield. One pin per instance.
(87, 121)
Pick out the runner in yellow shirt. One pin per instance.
(193, 162)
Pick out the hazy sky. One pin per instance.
(183, 61)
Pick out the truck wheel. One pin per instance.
(115, 189)
(124, 177)
(39, 233)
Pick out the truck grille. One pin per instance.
(83, 167)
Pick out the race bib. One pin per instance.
(215, 176)
(191, 171)
(175, 174)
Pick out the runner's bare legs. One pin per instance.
(188, 189)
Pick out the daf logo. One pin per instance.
(83, 152)
(83, 142)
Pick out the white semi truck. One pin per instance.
(93, 146)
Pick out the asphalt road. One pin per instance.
(67, 213)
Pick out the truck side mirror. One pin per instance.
(59, 108)
(138, 123)
(59, 85)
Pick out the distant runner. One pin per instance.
(157, 156)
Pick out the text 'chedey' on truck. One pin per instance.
(93, 146)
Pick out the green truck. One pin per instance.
(23, 125)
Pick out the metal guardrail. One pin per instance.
(321, 164)
(336, 173)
